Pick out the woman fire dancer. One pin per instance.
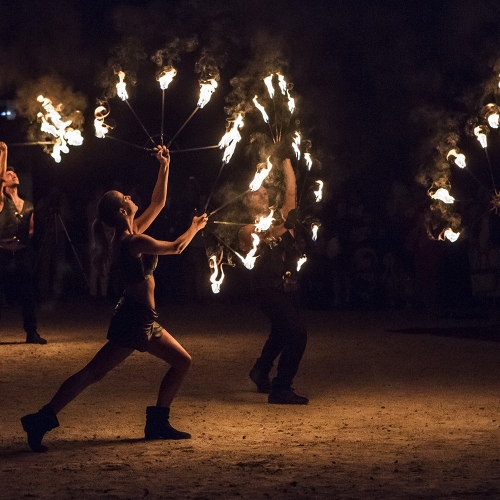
(133, 325)
(276, 289)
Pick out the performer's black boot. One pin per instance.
(37, 424)
(33, 337)
(260, 377)
(158, 426)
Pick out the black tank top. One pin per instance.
(14, 223)
(131, 270)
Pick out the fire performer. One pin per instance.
(16, 252)
(133, 325)
(276, 289)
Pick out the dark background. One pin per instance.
(379, 85)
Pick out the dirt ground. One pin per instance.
(401, 407)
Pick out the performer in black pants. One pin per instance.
(16, 252)
(275, 284)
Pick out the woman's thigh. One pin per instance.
(168, 349)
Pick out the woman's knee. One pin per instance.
(184, 362)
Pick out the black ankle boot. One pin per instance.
(37, 424)
(158, 426)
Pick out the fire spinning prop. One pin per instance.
(164, 79)
(276, 111)
(479, 127)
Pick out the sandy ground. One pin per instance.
(401, 408)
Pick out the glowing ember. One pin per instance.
(493, 120)
(314, 229)
(296, 144)
(166, 77)
(269, 84)
(53, 124)
(264, 223)
(217, 275)
(206, 91)
(480, 133)
(249, 260)
(261, 109)
(459, 158)
(443, 195)
(101, 128)
(231, 138)
(308, 159)
(450, 235)
(319, 192)
(302, 260)
(121, 87)
(260, 175)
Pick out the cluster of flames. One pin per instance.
(262, 223)
(490, 119)
(54, 124)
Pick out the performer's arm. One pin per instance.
(290, 201)
(159, 196)
(146, 244)
(3, 166)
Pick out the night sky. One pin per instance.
(377, 83)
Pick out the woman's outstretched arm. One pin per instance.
(159, 196)
(145, 244)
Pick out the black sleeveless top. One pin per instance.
(129, 269)
(14, 223)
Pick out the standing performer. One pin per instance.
(133, 325)
(16, 252)
(276, 287)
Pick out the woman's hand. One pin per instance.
(163, 155)
(200, 221)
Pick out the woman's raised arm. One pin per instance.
(159, 196)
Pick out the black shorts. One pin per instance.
(133, 325)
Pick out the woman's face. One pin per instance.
(125, 202)
(257, 201)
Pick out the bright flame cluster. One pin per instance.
(53, 124)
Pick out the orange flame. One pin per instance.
(206, 91)
(302, 260)
(268, 80)
(261, 109)
(101, 128)
(231, 138)
(480, 132)
(443, 195)
(264, 223)
(296, 144)
(450, 235)
(319, 192)
(315, 228)
(217, 275)
(308, 159)
(459, 158)
(249, 260)
(166, 76)
(121, 86)
(260, 175)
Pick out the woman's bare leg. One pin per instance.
(169, 350)
(107, 358)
